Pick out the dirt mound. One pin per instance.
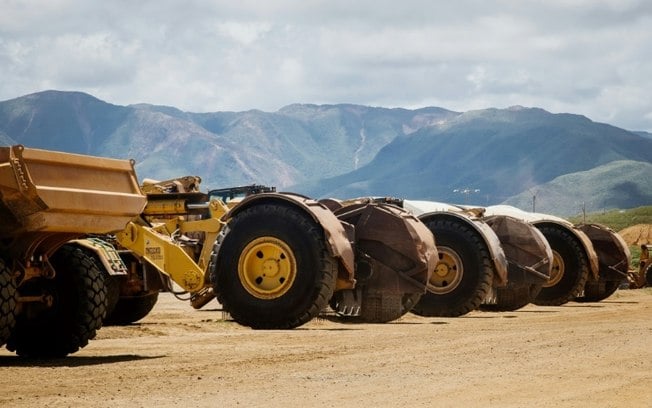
(639, 234)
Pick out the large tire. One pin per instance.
(570, 268)
(383, 309)
(77, 311)
(125, 309)
(463, 277)
(111, 282)
(130, 309)
(8, 302)
(273, 270)
(513, 297)
(595, 291)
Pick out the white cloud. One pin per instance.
(243, 32)
(591, 57)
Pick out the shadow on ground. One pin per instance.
(70, 361)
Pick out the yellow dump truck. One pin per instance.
(80, 241)
(52, 296)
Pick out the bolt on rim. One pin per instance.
(267, 268)
(448, 272)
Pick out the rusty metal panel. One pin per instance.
(540, 218)
(613, 253)
(398, 249)
(526, 249)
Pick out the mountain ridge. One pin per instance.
(335, 150)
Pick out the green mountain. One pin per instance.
(619, 184)
(67, 121)
(488, 156)
(481, 157)
(296, 144)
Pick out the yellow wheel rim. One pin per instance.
(448, 272)
(557, 271)
(267, 268)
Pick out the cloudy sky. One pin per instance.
(592, 57)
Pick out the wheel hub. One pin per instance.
(267, 268)
(448, 272)
(557, 271)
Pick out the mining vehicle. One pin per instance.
(590, 261)
(260, 254)
(494, 263)
(497, 263)
(642, 277)
(79, 231)
(52, 295)
(501, 258)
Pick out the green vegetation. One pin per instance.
(636, 256)
(617, 184)
(617, 219)
(564, 163)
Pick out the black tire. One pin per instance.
(111, 283)
(130, 309)
(570, 268)
(126, 309)
(513, 297)
(648, 275)
(595, 291)
(291, 240)
(383, 309)
(8, 302)
(77, 311)
(458, 241)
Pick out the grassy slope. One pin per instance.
(619, 220)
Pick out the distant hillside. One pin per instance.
(617, 219)
(493, 154)
(481, 157)
(616, 185)
(68, 121)
(644, 134)
(295, 144)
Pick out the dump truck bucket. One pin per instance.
(51, 196)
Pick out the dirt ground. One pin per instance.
(576, 355)
(638, 234)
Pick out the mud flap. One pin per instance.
(395, 255)
(613, 253)
(528, 253)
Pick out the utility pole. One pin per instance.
(534, 199)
